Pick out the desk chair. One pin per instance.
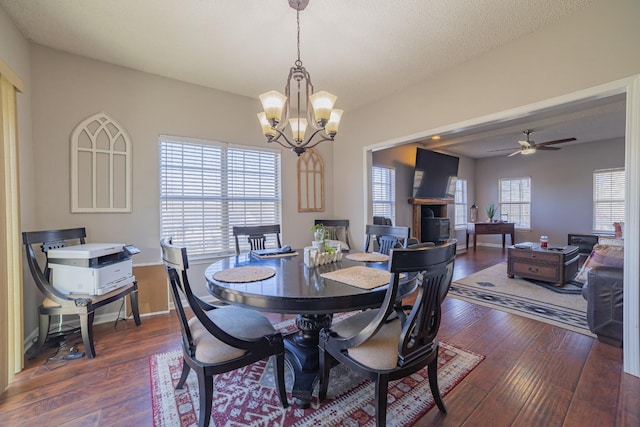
(218, 339)
(256, 235)
(57, 303)
(338, 230)
(383, 350)
(386, 237)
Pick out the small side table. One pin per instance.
(503, 228)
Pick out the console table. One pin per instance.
(503, 228)
(556, 264)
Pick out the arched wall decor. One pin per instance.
(100, 166)
(310, 182)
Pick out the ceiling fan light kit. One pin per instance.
(530, 147)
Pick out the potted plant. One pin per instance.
(319, 232)
(491, 211)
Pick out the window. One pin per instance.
(515, 201)
(460, 199)
(608, 198)
(208, 187)
(383, 192)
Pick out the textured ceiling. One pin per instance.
(361, 50)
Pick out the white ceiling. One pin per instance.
(361, 50)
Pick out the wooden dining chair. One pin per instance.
(338, 230)
(57, 303)
(257, 236)
(381, 345)
(218, 339)
(386, 237)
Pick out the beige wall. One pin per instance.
(15, 52)
(69, 88)
(595, 46)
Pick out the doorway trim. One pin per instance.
(631, 88)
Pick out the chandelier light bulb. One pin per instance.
(267, 130)
(273, 103)
(298, 128)
(334, 122)
(322, 103)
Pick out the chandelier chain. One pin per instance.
(298, 62)
(321, 117)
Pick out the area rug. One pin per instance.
(492, 288)
(247, 397)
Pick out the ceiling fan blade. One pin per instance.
(514, 153)
(557, 141)
(501, 149)
(542, 147)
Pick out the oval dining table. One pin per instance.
(301, 290)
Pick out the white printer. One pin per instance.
(92, 268)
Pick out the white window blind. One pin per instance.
(460, 200)
(208, 187)
(383, 192)
(608, 198)
(515, 201)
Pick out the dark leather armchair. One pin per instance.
(603, 291)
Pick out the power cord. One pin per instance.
(72, 354)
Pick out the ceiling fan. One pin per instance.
(530, 147)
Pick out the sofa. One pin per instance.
(603, 291)
(603, 286)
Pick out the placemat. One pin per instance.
(244, 274)
(359, 276)
(368, 257)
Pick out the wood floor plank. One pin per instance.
(533, 374)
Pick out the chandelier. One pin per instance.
(318, 107)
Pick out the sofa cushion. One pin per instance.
(602, 255)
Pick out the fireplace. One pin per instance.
(435, 230)
(430, 222)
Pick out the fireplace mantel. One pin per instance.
(438, 206)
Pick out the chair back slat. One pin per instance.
(421, 326)
(257, 235)
(386, 243)
(375, 233)
(176, 263)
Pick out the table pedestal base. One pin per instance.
(302, 353)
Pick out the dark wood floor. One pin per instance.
(534, 374)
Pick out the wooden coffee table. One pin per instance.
(555, 264)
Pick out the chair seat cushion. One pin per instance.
(50, 302)
(381, 351)
(236, 321)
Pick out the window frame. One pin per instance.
(525, 209)
(460, 208)
(390, 201)
(221, 178)
(620, 179)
